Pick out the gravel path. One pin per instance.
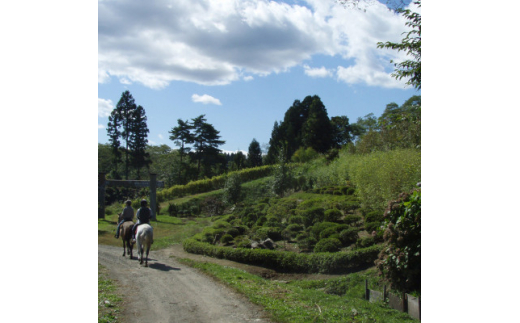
(168, 291)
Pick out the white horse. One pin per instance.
(144, 239)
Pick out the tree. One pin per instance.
(124, 110)
(206, 141)
(317, 130)
(138, 140)
(254, 157)
(182, 136)
(409, 69)
(341, 131)
(113, 138)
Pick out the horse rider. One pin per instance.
(128, 215)
(143, 216)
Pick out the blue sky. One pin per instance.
(243, 63)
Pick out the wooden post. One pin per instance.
(101, 195)
(153, 203)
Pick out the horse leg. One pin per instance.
(130, 247)
(124, 247)
(147, 251)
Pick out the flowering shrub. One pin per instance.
(400, 261)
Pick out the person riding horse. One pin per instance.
(143, 216)
(127, 215)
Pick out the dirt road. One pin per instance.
(168, 291)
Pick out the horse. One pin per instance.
(125, 232)
(144, 239)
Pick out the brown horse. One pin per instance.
(125, 232)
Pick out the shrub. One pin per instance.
(312, 216)
(226, 238)
(233, 189)
(325, 263)
(333, 215)
(316, 229)
(241, 242)
(233, 232)
(328, 245)
(365, 242)
(348, 236)
(263, 233)
(400, 261)
(373, 226)
(328, 232)
(172, 209)
(212, 206)
(351, 218)
(374, 216)
(296, 219)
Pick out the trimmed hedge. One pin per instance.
(214, 183)
(325, 263)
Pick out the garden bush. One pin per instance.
(316, 229)
(400, 260)
(333, 215)
(272, 233)
(374, 216)
(313, 215)
(226, 238)
(348, 236)
(351, 219)
(328, 245)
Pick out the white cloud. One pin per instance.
(100, 126)
(160, 136)
(248, 78)
(104, 107)
(212, 42)
(317, 72)
(206, 99)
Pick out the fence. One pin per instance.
(406, 303)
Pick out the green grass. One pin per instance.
(167, 230)
(108, 298)
(331, 300)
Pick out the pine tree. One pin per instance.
(254, 157)
(182, 136)
(125, 110)
(206, 142)
(138, 140)
(113, 138)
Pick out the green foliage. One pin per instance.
(400, 261)
(326, 263)
(303, 155)
(313, 215)
(328, 245)
(215, 183)
(351, 219)
(348, 236)
(226, 238)
(374, 216)
(381, 176)
(233, 189)
(333, 215)
(411, 44)
(273, 233)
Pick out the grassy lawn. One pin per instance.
(167, 230)
(300, 301)
(108, 298)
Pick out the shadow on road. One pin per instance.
(162, 267)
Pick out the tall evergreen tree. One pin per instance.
(317, 129)
(138, 140)
(113, 138)
(254, 156)
(206, 141)
(125, 111)
(182, 136)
